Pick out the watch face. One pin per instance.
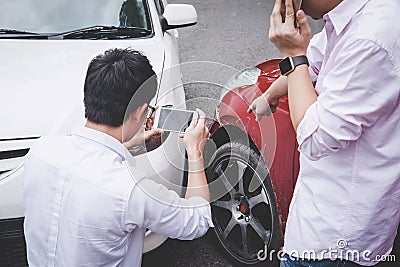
(285, 66)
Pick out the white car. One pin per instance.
(45, 48)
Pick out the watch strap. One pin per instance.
(300, 60)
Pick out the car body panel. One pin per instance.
(31, 75)
(273, 136)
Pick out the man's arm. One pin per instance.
(355, 94)
(194, 139)
(292, 42)
(153, 206)
(301, 94)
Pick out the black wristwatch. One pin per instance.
(290, 63)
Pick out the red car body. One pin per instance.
(274, 136)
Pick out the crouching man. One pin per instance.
(86, 202)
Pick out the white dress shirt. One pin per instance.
(83, 207)
(347, 196)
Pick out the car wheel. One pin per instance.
(245, 214)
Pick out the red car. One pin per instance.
(252, 177)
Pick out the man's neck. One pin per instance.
(332, 4)
(318, 8)
(115, 132)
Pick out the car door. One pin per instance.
(171, 89)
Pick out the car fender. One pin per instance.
(273, 136)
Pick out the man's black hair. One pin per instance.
(113, 79)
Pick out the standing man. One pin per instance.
(83, 206)
(346, 201)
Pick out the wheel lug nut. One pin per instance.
(247, 218)
(238, 207)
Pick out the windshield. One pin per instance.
(56, 16)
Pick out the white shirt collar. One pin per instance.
(102, 138)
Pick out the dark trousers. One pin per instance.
(288, 261)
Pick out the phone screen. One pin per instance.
(296, 7)
(174, 120)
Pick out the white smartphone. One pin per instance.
(174, 120)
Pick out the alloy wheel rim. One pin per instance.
(240, 203)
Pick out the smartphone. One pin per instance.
(296, 7)
(174, 120)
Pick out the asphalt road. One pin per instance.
(230, 35)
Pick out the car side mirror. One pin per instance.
(178, 16)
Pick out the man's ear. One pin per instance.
(137, 115)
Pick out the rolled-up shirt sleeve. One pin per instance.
(353, 96)
(153, 206)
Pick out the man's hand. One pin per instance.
(263, 106)
(195, 136)
(268, 102)
(289, 40)
(141, 137)
(144, 134)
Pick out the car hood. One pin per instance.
(41, 82)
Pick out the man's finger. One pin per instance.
(192, 124)
(303, 23)
(202, 117)
(276, 18)
(154, 132)
(289, 12)
(251, 108)
(159, 131)
(149, 134)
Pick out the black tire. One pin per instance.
(245, 214)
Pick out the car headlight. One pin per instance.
(248, 76)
